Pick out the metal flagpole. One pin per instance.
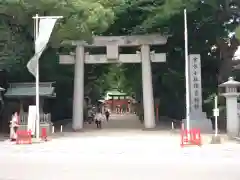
(37, 80)
(36, 20)
(187, 71)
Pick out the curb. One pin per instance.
(237, 139)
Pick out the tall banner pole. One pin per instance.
(187, 72)
(42, 34)
(37, 81)
(43, 27)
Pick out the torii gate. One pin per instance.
(112, 44)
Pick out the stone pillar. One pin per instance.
(148, 104)
(78, 94)
(198, 118)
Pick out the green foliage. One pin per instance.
(161, 12)
(207, 22)
(115, 78)
(81, 19)
(13, 49)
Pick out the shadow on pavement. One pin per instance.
(4, 137)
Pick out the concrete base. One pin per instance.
(78, 130)
(216, 140)
(232, 136)
(205, 125)
(150, 129)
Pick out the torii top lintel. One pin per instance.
(135, 40)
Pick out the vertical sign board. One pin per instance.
(31, 118)
(195, 83)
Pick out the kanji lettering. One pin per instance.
(196, 93)
(195, 79)
(196, 100)
(195, 59)
(195, 85)
(196, 106)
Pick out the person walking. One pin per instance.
(14, 124)
(99, 118)
(90, 116)
(107, 114)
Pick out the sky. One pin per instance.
(237, 54)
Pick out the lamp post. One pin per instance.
(231, 94)
(216, 139)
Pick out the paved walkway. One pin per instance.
(126, 153)
(133, 156)
(121, 122)
(123, 125)
(116, 121)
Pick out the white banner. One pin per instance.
(31, 119)
(46, 26)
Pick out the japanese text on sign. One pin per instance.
(195, 86)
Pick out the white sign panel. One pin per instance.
(195, 82)
(32, 118)
(112, 52)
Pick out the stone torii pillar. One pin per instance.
(112, 44)
(78, 92)
(148, 103)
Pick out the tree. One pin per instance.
(209, 24)
(114, 78)
(224, 14)
(81, 20)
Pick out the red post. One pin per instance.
(44, 134)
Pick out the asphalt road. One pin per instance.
(114, 156)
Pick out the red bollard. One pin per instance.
(24, 137)
(190, 137)
(184, 137)
(196, 137)
(44, 134)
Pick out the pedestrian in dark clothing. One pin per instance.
(107, 114)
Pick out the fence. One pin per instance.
(44, 118)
